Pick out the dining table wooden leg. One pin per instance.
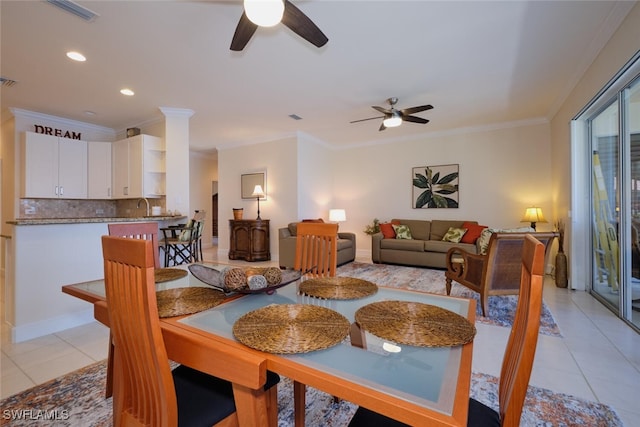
(299, 395)
(251, 406)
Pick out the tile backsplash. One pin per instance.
(68, 208)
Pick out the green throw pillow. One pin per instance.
(482, 244)
(454, 235)
(402, 231)
(483, 241)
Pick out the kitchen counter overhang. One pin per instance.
(47, 221)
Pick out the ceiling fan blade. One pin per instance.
(414, 119)
(414, 110)
(382, 127)
(382, 110)
(300, 24)
(364, 120)
(244, 31)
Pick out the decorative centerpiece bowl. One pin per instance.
(244, 280)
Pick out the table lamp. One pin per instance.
(533, 215)
(337, 215)
(257, 193)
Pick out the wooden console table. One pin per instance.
(249, 239)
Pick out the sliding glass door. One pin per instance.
(614, 133)
(631, 120)
(606, 196)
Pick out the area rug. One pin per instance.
(77, 399)
(501, 308)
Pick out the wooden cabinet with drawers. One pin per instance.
(249, 239)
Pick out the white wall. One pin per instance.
(203, 169)
(279, 159)
(315, 179)
(502, 171)
(618, 50)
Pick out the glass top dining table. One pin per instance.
(430, 384)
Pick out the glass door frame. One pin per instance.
(580, 228)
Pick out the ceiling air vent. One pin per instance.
(75, 8)
(5, 82)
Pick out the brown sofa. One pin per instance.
(287, 246)
(425, 249)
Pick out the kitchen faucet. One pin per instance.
(146, 201)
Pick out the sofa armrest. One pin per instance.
(283, 233)
(348, 236)
(375, 246)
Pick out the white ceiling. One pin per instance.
(477, 62)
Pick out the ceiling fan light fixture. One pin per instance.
(393, 121)
(265, 13)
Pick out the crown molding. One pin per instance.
(26, 114)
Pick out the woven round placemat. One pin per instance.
(291, 328)
(168, 274)
(338, 288)
(415, 323)
(181, 301)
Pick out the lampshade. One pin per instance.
(533, 214)
(258, 191)
(337, 215)
(265, 13)
(393, 121)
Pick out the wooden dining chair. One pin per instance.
(518, 357)
(316, 256)
(139, 230)
(146, 391)
(132, 230)
(317, 249)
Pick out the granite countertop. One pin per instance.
(45, 221)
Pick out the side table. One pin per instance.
(249, 239)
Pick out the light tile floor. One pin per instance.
(598, 357)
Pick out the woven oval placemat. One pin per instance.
(291, 328)
(338, 288)
(415, 323)
(168, 274)
(181, 301)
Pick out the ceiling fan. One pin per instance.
(393, 117)
(282, 11)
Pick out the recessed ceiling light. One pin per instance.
(127, 92)
(76, 56)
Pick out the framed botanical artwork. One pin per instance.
(435, 186)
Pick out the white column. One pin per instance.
(177, 155)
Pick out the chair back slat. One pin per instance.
(316, 249)
(523, 339)
(144, 392)
(139, 230)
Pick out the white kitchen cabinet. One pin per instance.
(138, 167)
(99, 170)
(53, 167)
